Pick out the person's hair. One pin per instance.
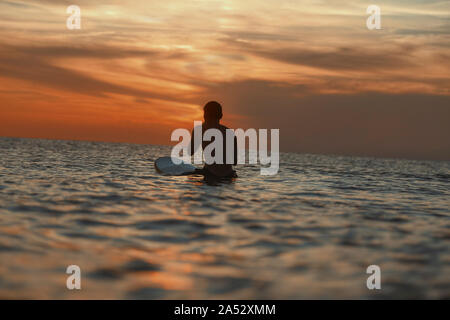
(213, 110)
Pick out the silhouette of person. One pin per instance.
(212, 113)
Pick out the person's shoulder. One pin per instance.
(222, 127)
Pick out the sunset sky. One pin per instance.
(139, 69)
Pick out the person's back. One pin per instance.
(212, 116)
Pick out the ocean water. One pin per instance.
(309, 232)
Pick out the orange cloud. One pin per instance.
(133, 73)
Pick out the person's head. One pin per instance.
(212, 111)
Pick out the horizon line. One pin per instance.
(295, 152)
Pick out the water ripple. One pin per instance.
(309, 232)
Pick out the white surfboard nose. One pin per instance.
(165, 165)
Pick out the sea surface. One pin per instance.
(309, 232)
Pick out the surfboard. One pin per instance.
(165, 165)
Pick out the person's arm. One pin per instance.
(191, 145)
(235, 151)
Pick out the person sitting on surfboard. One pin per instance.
(212, 113)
